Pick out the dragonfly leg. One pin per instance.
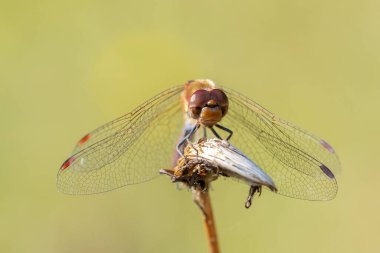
(225, 129)
(204, 132)
(215, 133)
(252, 192)
(196, 150)
(186, 138)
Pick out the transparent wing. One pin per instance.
(300, 164)
(128, 150)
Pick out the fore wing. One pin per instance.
(128, 150)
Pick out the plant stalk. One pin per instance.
(202, 199)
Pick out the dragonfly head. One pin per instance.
(208, 106)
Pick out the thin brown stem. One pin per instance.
(202, 199)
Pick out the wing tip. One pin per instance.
(327, 146)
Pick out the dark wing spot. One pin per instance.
(327, 171)
(68, 162)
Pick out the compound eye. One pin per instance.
(221, 99)
(197, 101)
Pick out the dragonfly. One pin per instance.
(133, 148)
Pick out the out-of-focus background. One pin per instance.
(70, 66)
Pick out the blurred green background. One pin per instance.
(70, 66)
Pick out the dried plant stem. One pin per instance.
(202, 199)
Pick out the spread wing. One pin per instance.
(300, 164)
(127, 150)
